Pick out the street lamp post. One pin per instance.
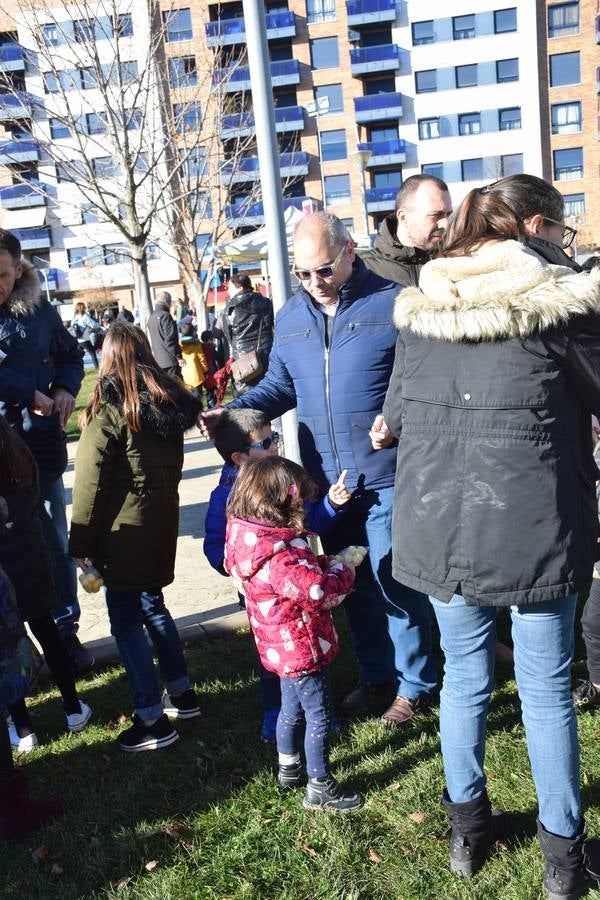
(44, 270)
(315, 109)
(361, 157)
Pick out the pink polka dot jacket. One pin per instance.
(289, 592)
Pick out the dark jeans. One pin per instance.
(306, 697)
(590, 624)
(54, 525)
(87, 345)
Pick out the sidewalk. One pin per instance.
(201, 601)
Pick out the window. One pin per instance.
(568, 164)
(472, 169)
(435, 169)
(333, 92)
(70, 79)
(152, 252)
(70, 171)
(469, 123)
(95, 123)
(337, 189)
(507, 70)
(58, 129)
(77, 256)
(574, 205)
(387, 179)
(141, 162)
(123, 25)
(88, 78)
(466, 76)
(133, 119)
(178, 23)
(320, 10)
(114, 254)
(51, 35)
(182, 71)
(509, 118)
(129, 71)
(194, 162)
(564, 69)
(89, 214)
(463, 27)
(333, 145)
(324, 53)
(426, 81)
(201, 205)
(203, 242)
(422, 33)
(505, 20)
(385, 85)
(83, 31)
(188, 116)
(429, 128)
(566, 117)
(105, 167)
(51, 83)
(511, 164)
(563, 19)
(349, 223)
(384, 133)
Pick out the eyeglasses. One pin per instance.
(322, 271)
(568, 232)
(265, 444)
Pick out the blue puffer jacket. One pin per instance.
(39, 354)
(338, 391)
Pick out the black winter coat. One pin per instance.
(391, 259)
(248, 324)
(163, 336)
(496, 375)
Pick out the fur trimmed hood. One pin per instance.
(25, 297)
(503, 290)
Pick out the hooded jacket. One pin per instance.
(125, 498)
(39, 354)
(391, 259)
(497, 372)
(289, 594)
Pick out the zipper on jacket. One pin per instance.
(327, 391)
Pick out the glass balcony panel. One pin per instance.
(378, 107)
(12, 152)
(21, 196)
(33, 238)
(365, 60)
(365, 12)
(12, 58)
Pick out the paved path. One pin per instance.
(200, 600)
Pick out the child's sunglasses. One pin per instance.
(264, 444)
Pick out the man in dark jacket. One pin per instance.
(332, 358)
(247, 325)
(41, 370)
(409, 237)
(163, 336)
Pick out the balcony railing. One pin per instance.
(384, 153)
(243, 214)
(287, 118)
(12, 58)
(18, 151)
(378, 107)
(365, 12)
(237, 78)
(21, 196)
(291, 165)
(380, 199)
(233, 31)
(15, 106)
(365, 60)
(34, 238)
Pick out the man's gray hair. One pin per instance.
(336, 230)
(163, 297)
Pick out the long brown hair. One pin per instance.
(80, 309)
(498, 211)
(17, 464)
(272, 489)
(128, 365)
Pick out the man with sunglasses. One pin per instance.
(332, 357)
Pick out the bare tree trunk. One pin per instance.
(141, 283)
(196, 293)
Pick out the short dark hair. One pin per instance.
(11, 243)
(273, 490)
(241, 281)
(233, 431)
(206, 337)
(412, 185)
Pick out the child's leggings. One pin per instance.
(306, 697)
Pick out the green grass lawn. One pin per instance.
(87, 386)
(204, 819)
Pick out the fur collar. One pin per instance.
(25, 297)
(503, 290)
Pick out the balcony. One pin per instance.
(34, 238)
(366, 12)
(385, 153)
(23, 196)
(12, 58)
(48, 279)
(233, 31)
(15, 106)
(292, 165)
(287, 118)
(367, 60)
(237, 78)
(12, 152)
(378, 107)
(244, 215)
(381, 199)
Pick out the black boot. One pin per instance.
(329, 795)
(474, 828)
(290, 777)
(572, 864)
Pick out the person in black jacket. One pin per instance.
(497, 372)
(247, 325)
(163, 336)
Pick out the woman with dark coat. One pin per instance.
(496, 375)
(247, 325)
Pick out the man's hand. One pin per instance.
(64, 404)
(338, 493)
(208, 420)
(41, 405)
(380, 434)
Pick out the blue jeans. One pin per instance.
(390, 623)
(543, 650)
(129, 612)
(308, 698)
(56, 535)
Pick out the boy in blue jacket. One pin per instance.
(246, 434)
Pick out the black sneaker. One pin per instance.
(83, 660)
(181, 706)
(147, 737)
(290, 777)
(327, 794)
(586, 695)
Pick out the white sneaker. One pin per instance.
(76, 722)
(21, 745)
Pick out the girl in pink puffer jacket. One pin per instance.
(289, 596)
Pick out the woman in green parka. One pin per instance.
(125, 522)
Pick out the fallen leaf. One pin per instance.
(500, 846)
(373, 856)
(40, 855)
(151, 865)
(309, 850)
(56, 869)
(122, 882)
(395, 787)
(418, 817)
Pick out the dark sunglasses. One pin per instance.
(322, 271)
(265, 444)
